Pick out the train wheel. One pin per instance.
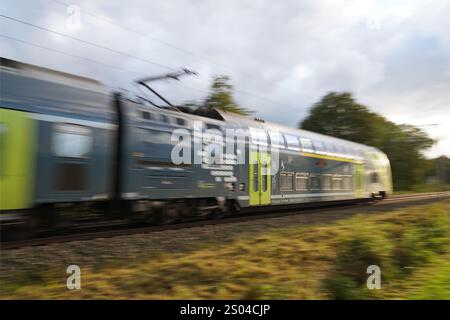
(21, 231)
(161, 216)
(217, 214)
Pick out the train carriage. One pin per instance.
(288, 166)
(56, 137)
(65, 140)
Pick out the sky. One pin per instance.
(282, 56)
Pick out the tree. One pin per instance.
(221, 97)
(339, 115)
(439, 171)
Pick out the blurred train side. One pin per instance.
(41, 110)
(66, 140)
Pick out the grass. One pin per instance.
(411, 246)
(424, 187)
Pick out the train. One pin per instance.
(68, 144)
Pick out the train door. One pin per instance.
(17, 147)
(259, 178)
(359, 180)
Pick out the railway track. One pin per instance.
(392, 202)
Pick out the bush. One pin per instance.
(413, 245)
(357, 252)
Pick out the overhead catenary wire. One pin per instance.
(140, 74)
(147, 36)
(175, 47)
(90, 43)
(69, 54)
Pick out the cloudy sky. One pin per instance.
(281, 55)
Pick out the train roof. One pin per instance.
(36, 89)
(50, 74)
(250, 122)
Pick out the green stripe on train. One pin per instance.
(17, 147)
(359, 180)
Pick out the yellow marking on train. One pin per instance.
(205, 185)
(17, 143)
(321, 156)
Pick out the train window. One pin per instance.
(332, 148)
(255, 176)
(337, 183)
(264, 180)
(165, 118)
(276, 139)
(306, 145)
(213, 126)
(340, 150)
(374, 177)
(314, 182)
(301, 181)
(292, 142)
(71, 140)
(156, 144)
(146, 115)
(326, 182)
(319, 146)
(258, 136)
(347, 182)
(287, 181)
(156, 137)
(231, 186)
(181, 122)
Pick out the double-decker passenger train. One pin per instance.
(66, 142)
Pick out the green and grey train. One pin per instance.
(66, 142)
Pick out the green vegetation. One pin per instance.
(220, 97)
(339, 115)
(423, 188)
(411, 246)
